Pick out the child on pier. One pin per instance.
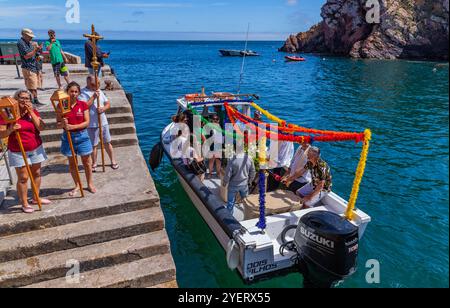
(76, 124)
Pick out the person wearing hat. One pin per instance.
(30, 67)
(57, 58)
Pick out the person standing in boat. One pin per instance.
(76, 123)
(216, 153)
(90, 94)
(240, 172)
(321, 180)
(295, 175)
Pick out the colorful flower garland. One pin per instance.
(324, 136)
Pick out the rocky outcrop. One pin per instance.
(405, 29)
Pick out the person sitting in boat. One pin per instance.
(321, 180)
(179, 136)
(295, 175)
(257, 116)
(192, 159)
(239, 173)
(280, 163)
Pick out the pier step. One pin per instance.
(138, 274)
(117, 142)
(55, 265)
(117, 118)
(80, 234)
(115, 130)
(50, 114)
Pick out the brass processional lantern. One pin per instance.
(61, 102)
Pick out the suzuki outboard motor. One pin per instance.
(328, 248)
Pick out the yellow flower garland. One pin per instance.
(359, 174)
(359, 171)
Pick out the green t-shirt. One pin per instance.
(55, 52)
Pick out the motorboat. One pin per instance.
(269, 233)
(238, 53)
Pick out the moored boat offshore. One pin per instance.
(238, 53)
(270, 232)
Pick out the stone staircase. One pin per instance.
(114, 238)
(121, 123)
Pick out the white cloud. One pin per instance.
(26, 10)
(156, 5)
(292, 2)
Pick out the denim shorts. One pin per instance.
(94, 134)
(81, 144)
(34, 157)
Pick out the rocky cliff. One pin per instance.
(405, 29)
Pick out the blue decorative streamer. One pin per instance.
(262, 201)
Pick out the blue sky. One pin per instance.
(174, 19)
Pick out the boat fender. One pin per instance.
(232, 254)
(156, 155)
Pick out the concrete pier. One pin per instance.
(116, 237)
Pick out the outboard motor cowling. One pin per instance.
(328, 247)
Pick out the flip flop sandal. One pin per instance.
(43, 202)
(94, 169)
(27, 210)
(115, 166)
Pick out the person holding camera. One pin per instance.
(30, 66)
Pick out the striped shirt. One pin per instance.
(30, 64)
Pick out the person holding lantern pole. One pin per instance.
(29, 127)
(76, 123)
(90, 95)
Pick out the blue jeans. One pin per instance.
(232, 192)
(81, 144)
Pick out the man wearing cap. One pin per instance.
(30, 66)
(57, 58)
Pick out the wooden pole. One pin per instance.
(30, 174)
(100, 127)
(95, 65)
(75, 159)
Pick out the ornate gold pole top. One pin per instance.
(94, 37)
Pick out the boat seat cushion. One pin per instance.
(277, 202)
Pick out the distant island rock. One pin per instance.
(407, 29)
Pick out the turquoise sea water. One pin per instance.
(405, 189)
